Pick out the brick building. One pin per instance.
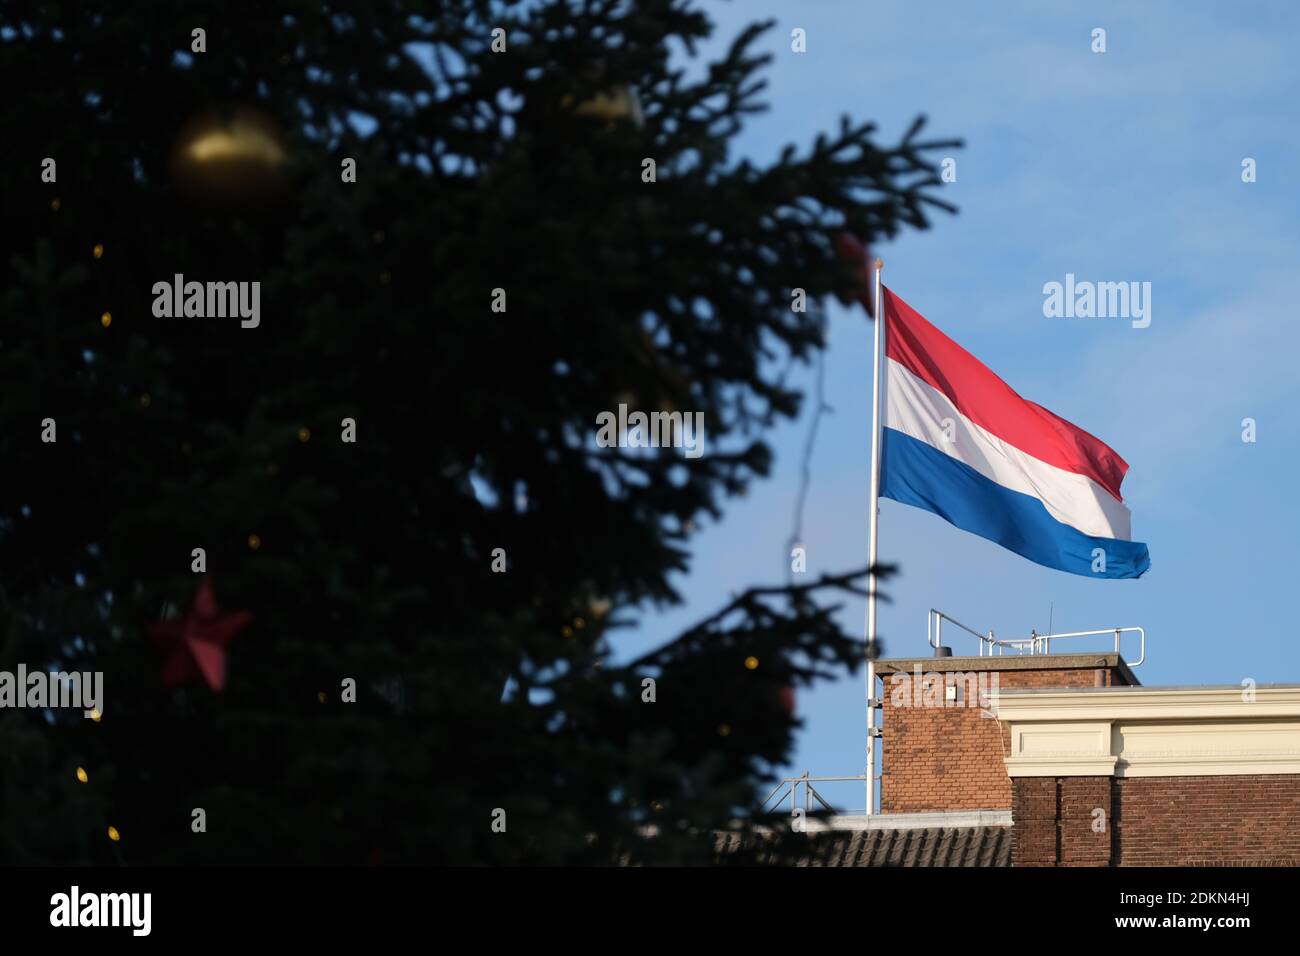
(1067, 760)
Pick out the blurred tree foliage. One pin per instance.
(476, 170)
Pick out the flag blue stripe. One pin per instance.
(918, 474)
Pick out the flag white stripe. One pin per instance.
(916, 408)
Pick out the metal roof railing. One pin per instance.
(1036, 643)
(779, 792)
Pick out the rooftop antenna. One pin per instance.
(1050, 608)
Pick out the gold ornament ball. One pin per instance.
(81, 775)
(613, 105)
(233, 159)
(113, 834)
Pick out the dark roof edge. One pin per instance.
(1020, 662)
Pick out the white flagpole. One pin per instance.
(873, 535)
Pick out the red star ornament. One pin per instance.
(195, 645)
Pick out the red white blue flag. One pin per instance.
(958, 441)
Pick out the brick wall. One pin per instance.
(1157, 821)
(950, 758)
(1062, 821)
(1173, 821)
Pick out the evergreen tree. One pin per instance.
(477, 169)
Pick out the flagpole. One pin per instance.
(872, 537)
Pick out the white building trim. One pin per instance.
(1151, 732)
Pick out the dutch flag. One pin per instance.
(958, 441)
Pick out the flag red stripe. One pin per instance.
(991, 403)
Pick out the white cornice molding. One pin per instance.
(1152, 732)
(1146, 703)
(1062, 766)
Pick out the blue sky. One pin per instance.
(1117, 166)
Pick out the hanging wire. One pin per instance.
(805, 470)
